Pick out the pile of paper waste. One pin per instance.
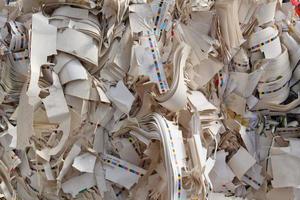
(149, 100)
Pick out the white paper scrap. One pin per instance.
(85, 163)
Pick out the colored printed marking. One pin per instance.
(221, 80)
(163, 86)
(179, 180)
(18, 34)
(240, 65)
(268, 92)
(121, 191)
(122, 166)
(258, 46)
(158, 15)
(18, 58)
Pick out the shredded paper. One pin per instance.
(149, 99)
